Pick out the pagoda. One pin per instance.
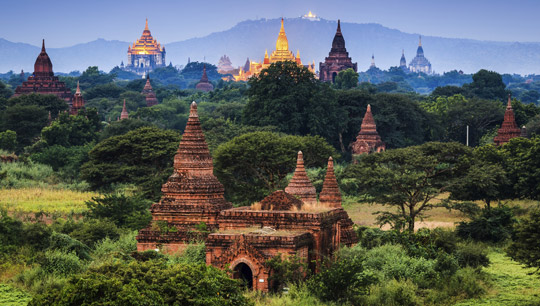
(338, 59)
(282, 53)
(300, 185)
(43, 81)
(77, 103)
(124, 114)
(145, 54)
(330, 195)
(420, 63)
(509, 129)
(225, 65)
(204, 84)
(148, 92)
(403, 62)
(367, 140)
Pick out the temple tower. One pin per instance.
(403, 62)
(124, 114)
(145, 54)
(420, 63)
(367, 140)
(204, 84)
(78, 102)
(148, 92)
(338, 59)
(509, 129)
(300, 185)
(330, 195)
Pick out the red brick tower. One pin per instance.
(192, 195)
(124, 114)
(300, 185)
(368, 140)
(43, 81)
(338, 59)
(330, 195)
(204, 84)
(78, 101)
(509, 128)
(148, 92)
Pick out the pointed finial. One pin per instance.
(43, 45)
(124, 107)
(402, 51)
(266, 53)
(338, 25)
(368, 108)
(297, 53)
(78, 91)
(509, 105)
(146, 26)
(193, 110)
(420, 41)
(330, 164)
(148, 76)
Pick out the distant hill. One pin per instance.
(313, 39)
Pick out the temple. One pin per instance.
(368, 140)
(420, 63)
(338, 59)
(145, 54)
(43, 81)
(225, 65)
(148, 92)
(124, 114)
(77, 102)
(282, 53)
(509, 129)
(243, 239)
(403, 62)
(204, 84)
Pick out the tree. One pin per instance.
(8, 140)
(289, 97)
(130, 212)
(69, 130)
(143, 157)
(25, 120)
(92, 77)
(121, 127)
(525, 247)
(523, 166)
(409, 179)
(253, 165)
(346, 79)
(50, 103)
(5, 91)
(487, 85)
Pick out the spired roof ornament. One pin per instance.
(282, 44)
(43, 64)
(148, 91)
(300, 185)
(124, 114)
(509, 129)
(78, 101)
(330, 195)
(368, 140)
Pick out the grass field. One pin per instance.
(11, 296)
(32, 200)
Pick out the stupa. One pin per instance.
(148, 92)
(367, 140)
(330, 195)
(509, 129)
(338, 59)
(124, 114)
(300, 185)
(204, 84)
(78, 101)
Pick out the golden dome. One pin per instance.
(282, 44)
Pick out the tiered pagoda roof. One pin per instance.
(509, 129)
(146, 44)
(204, 84)
(43, 81)
(368, 140)
(338, 59)
(148, 92)
(78, 101)
(330, 195)
(300, 185)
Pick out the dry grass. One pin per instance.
(33, 200)
(306, 207)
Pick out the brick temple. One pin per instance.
(204, 84)
(43, 81)
(77, 102)
(148, 92)
(338, 59)
(509, 129)
(368, 140)
(243, 239)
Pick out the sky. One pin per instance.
(68, 22)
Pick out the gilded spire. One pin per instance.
(297, 53)
(146, 26)
(282, 44)
(300, 185)
(330, 195)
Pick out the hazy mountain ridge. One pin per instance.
(312, 38)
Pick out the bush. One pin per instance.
(92, 231)
(394, 292)
(11, 232)
(130, 212)
(37, 235)
(492, 224)
(195, 253)
(123, 246)
(65, 243)
(285, 271)
(466, 283)
(472, 255)
(60, 263)
(525, 247)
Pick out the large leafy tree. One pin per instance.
(143, 157)
(346, 79)
(75, 130)
(25, 120)
(487, 85)
(409, 179)
(289, 97)
(525, 247)
(253, 165)
(523, 166)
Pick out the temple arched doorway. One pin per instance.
(334, 74)
(243, 272)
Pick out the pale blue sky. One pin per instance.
(68, 22)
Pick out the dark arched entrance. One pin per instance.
(244, 273)
(334, 74)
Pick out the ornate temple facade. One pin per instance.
(368, 140)
(509, 129)
(243, 239)
(338, 59)
(204, 84)
(77, 102)
(145, 54)
(225, 65)
(148, 92)
(420, 63)
(43, 81)
(281, 54)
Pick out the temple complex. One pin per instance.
(204, 84)
(509, 129)
(338, 59)
(225, 65)
(43, 81)
(148, 92)
(282, 53)
(243, 239)
(77, 102)
(145, 54)
(124, 114)
(420, 63)
(368, 140)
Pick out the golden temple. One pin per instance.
(282, 53)
(145, 54)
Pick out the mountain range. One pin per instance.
(312, 38)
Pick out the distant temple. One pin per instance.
(367, 140)
(403, 62)
(312, 17)
(281, 54)
(43, 81)
(225, 65)
(124, 114)
(509, 129)
(372, 65)
(204, 84)
(243, 239)
(148, 92)
(420, 63)
(145, 54)
(338, 59)
(77, 102)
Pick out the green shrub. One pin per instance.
(492, 224)
(37, 235)
(91, 231)
(195, 253)
(67, 244)
(37, 281)
(11, 232)
(23, 175)
(60, 263)
(290, 270)
(124, 211)
(472, 255)
(393, 293)
(123, 246)
(466, 283)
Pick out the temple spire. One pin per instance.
(300, 185)
(282, 44)
(338, 26)
(124, 114)
(509, 104)
(330, 195)
(78, 91)
(509, 129)
(146, 25)
(43, 46)
(420, 41)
